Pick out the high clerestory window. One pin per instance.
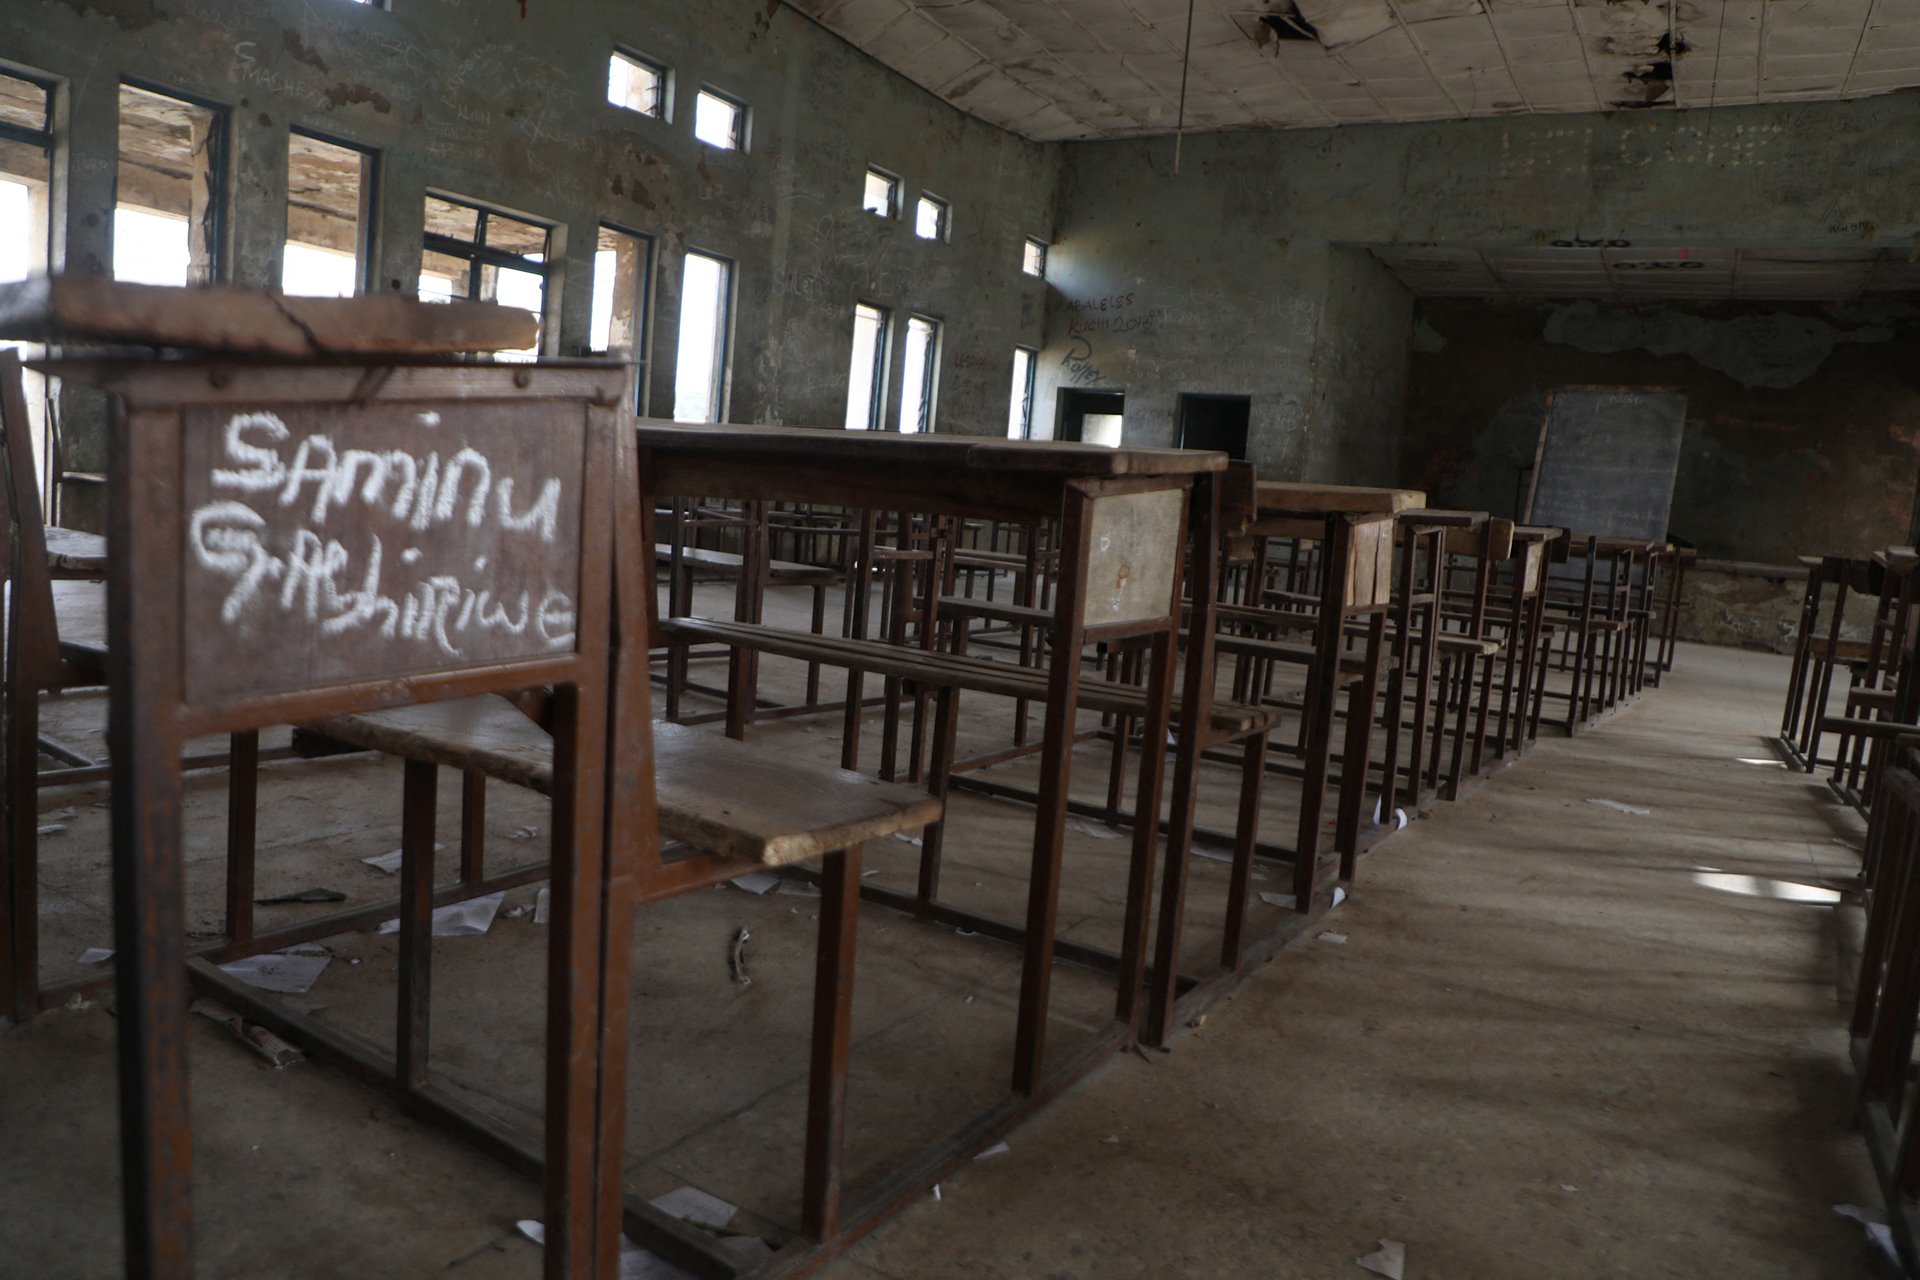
(637, 84)
(882, 194)
(930, 218)
(1033, 259)
(720, 121)
(329, 186)
(169, 188)
(485, 255)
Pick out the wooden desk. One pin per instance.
(1125, 518)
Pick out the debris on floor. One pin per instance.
(1876, 1226)
(644, 1264)
(1278, 900)
(95, 955)
(997, 1149)
(543, 905)
(757, 881)
(695, 1205)
(390, 862)
(304, 895)
(285, 973)
(1338, 939)
(53, 829)
(459, 919)
(737, 958)
(1389, 1260)
(1618, 807)
(906, 839)
(61, 815)
(1098, 830)
(523, 833)
(255, 1037)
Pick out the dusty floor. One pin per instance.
(1560, 1040)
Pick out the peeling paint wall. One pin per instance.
(1234, 264)
(1803, 423)
(471, 99)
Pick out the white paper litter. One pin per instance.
(695, 1205)
(1339, 895)
(523, 833)
(1338, 939)
(798, 888)
(756, 881)
(1399, 815)
(60, 815)
(462, 919)
(286, 974)
(1111, 1140)
(1617, 807)
(96, 955)
(904, 838)
(1278, 900)
(635, 1263)
(524, 909)
(1098, 830)
(543, 905)
(1877, 1229)
(390, 862)
(865, 874)
(52, 829)
(1389, 1260)
(1568, 1187)
(936, 1191)
(997, 1149)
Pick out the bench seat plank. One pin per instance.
(729, 562)
(715, 794)
(71, 551)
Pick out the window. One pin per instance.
(636, 84)
(483, 255)
(699, 377)
(883, 194)
(719, 121)
(622, 276)
(1020, 411)
(867, 380)
(327, 188)
(166, 218)
(930, 218)
(1035, 261)
(26, 170)
(919, 373)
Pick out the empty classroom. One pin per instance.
(917, 639)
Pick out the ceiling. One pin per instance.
(1642, 273)
(1072, 69)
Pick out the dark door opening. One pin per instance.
(1092, 417)
(1215, 422)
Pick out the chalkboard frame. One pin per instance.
(1541, 458)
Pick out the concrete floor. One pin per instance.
(1559, 1041)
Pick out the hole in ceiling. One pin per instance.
(1672, 45)
(1287, 24)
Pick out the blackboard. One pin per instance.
(1606, 462)
(330, 543)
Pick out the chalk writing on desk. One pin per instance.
(324, 544)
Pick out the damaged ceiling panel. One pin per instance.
(1061, 69)
(1637, 272)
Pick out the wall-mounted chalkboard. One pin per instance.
(1607, 460)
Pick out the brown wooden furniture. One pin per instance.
(1124, 517)
(523, 461)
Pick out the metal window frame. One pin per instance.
(1034, 242)
(882, 364)
(1026, 390)
(929, 386)
(896, 188)
(363, 232)
(220, 157)
(944, 230)
(663, 106)
(643, 309)
(723, 351)
(741, 118)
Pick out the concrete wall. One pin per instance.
(473, 100)
(1225, 278)
(1803, 423)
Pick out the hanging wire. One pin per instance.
(1186, 64)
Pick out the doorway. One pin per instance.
(1215, 422)
(1091, 417)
